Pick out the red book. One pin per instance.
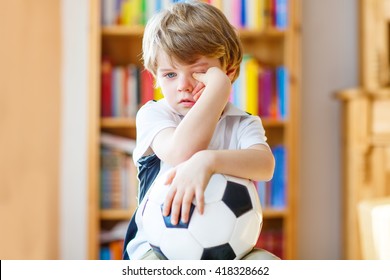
(147, 88)
(106, 82)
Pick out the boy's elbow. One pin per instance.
(268, 168)
(177, 156)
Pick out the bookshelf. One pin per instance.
(366, 123)
(269, 46)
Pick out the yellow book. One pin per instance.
(157, 94)
(126, 13)
(252, 70)
(261, 14)
(216, 3)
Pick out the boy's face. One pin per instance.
(177, 83)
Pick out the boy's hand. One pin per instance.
(215, 79)
(188, 180)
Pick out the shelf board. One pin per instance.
(274, 212)
(267, 122)
(124, 214)
(123, 30)
(117, 122)
(266, 33)
(116, 214)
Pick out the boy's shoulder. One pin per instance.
(154, 105)
(232, 110)
(156, 110)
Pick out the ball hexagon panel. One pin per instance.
(179, 244)
(158, 191)
(237, 198)
(215, 188)
(214, 227)
(254, 197)
(167, 219)
(221, 252)
(153, 222)
(246, 232)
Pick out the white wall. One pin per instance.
(330, 63)
(73, 192)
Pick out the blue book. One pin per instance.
(282, 90)
(278, 192)
(281, 11)
(261, 191)
(243, 13)
(104, 253)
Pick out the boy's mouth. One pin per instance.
(187, 102)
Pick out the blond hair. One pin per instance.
(188, 30)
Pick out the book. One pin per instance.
(251, 100)
(147, 87)
(281, 14)
(278, 182)
(282, 91)
(117, 142)
(106, 88)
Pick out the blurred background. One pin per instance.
(46, 123)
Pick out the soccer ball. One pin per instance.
(228, 228)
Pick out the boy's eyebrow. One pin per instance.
(199, 64)
(164, 69)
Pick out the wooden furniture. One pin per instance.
(366, 119)
(30, 120)
(374, 228)
(271, 46)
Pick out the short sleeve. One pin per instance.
(251, 132)
(151, 119)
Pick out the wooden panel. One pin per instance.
(29, 119)
(374, 55)
(381, 116)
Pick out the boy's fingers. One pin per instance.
(199, 86)
(199, 76)
(175, 208)
(168, 201)
(171, 175)
(200, 200)
(198, 94)
(186, 206)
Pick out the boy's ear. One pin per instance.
(230, 72)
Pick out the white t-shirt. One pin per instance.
(235, 130)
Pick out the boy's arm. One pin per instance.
(194, 133)
(191, 178)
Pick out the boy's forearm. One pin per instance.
(256, 164)
(196, 130)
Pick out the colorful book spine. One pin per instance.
(273, 241)
(252, 14)
(261, 90)
(278, 182)
(106, 81)
(282, 91)
(121, 88)
(118, 179)
(252, 72)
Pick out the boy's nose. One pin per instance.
(186, 84)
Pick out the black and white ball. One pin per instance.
(228, 229)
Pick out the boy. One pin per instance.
(194, 54)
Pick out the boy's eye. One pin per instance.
(170, 75)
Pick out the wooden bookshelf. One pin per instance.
(366, 123)
(270, 45)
